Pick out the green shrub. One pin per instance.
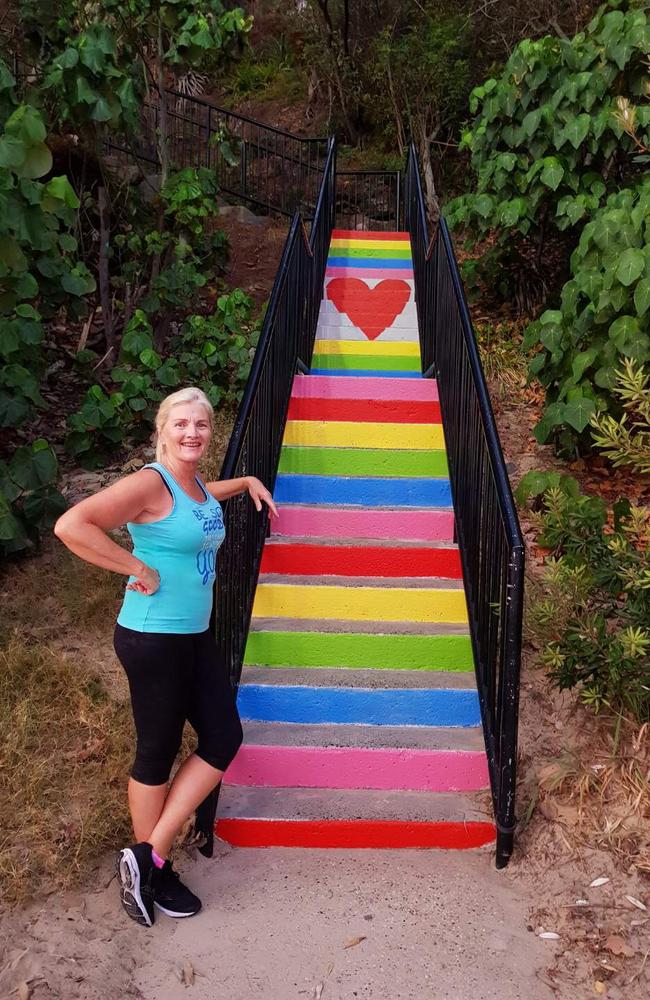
(623, 443)
(603, 319)
(29, 501)
(213, 352)
(592, 617)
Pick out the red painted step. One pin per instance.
(365, 410)
(356, 234)
(302, 559)
(357, 833)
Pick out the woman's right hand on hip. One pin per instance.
(146, 582)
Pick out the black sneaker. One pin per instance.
(171, 896)
(136, 873)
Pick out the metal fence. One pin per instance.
(369, 199)
(274, 169)
(489, 537)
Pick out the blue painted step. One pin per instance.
(360, 706)
(363, 492)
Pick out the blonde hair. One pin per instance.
(189, 395)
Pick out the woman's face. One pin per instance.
(186, 433)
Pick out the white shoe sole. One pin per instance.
(128, 873)
(172, 913)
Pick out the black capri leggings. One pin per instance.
(173, 678)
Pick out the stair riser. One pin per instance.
(364, 411)
(374, 604)
(344, 434)
(365, 272)
(354, 834)
(364, 492)
(340, 387)
(357, 650)
(370, 462)
(354, 767)
(370, 363)
(425, 526)
(359, 706)
(314, 560)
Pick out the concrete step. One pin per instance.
(374, 582)
(448, 707)
(360, 332)
(367, 677)
(384, 543)
(425, 604)
(375, 463)
(384, 804)
(415, 525)
(350, 561)
(412, 737)
(379, 652)
(365, 372)
(359, 768)
(369, 627)
(340, 387)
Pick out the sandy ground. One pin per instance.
(285, 924)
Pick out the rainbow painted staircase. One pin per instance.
(361, 715)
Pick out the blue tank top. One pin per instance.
(183, 548)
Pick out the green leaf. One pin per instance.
(43, 507)
(531, 121)
(642, 296)
(631, 266)
(33, 467)
(37, 162)
(102, 111)
(484, 203)
(577, 129)
(623, 328)
(552, 172)
(577, 413)
(583, 360)
(61, 189)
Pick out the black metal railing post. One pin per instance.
(489, 537)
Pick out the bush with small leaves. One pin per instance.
(590, 616)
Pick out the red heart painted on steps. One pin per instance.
(372, 310)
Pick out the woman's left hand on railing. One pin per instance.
(259, 494)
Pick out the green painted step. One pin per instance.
(366, 362)
(362, 462)
(358, 650)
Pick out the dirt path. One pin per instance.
(288, 924)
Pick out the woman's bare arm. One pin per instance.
(225, 488)
(83, 528)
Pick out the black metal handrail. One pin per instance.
(369, 199)
(275, 169)
(489, 537)
(287, 337)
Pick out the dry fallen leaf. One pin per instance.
(188, 973)
(600, 988)
(598, 881)
(24, 990)
(318, 990)
(355, 941)
(549, 936)
(618, 946)
(636, 902)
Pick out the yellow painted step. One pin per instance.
(344, 434)
(389, 604)
(374, 348)
(352, 244)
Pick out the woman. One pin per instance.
(162, 638)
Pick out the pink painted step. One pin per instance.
(349, 387)
(359, 767)
(339, 522)
(369, 272)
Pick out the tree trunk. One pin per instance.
(430, 195)
(104, 276)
